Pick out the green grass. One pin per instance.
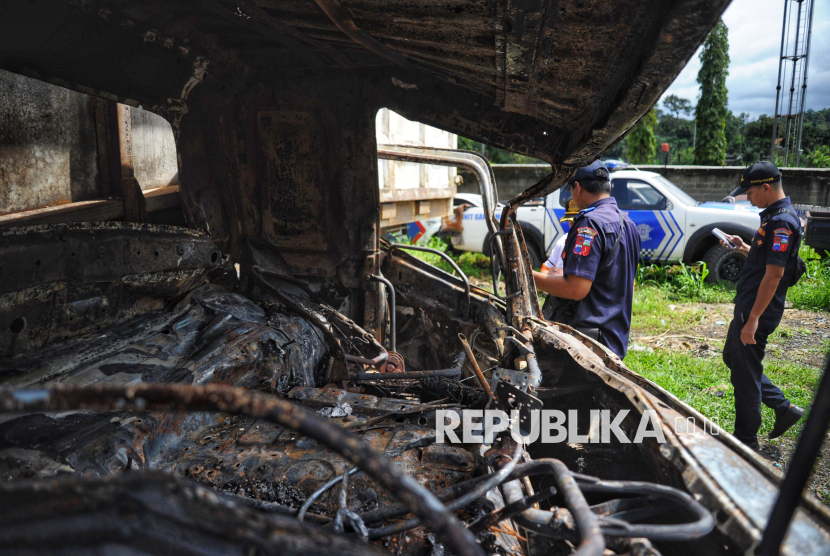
(697, 380)
(684, 282)
(812, 292)
(471, 264)
(652, 313)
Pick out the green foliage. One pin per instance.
(734, 135)
(684, 283)
(819, 157)
(687, 283)
(812, 292)
(641, 141)
(677, 106)
(711, 110)
(471, 264)
(678, 132)
(496, 155)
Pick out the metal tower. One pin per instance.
(792, 81)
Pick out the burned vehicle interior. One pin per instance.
(253, 370)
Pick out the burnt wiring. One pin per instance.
(478, 491)
(238, 401)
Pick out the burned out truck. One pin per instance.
(249, 369)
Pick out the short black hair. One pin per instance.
(595, 187)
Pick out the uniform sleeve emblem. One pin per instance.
(584, 240)
(761, 231)
(781, 240)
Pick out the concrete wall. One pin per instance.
(49, 146)
(511, 179)
(806, 186)
(154, 150)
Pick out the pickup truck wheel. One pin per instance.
(723, 264)
(535, 258)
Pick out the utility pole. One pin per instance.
(791, 90)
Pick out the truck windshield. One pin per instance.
(681, 195)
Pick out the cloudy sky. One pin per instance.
(754, 47)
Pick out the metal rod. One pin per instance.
(472, 358)
(238, 401)
(322, 490)
(444, 256)
(778, 87)
(342, 19)
(362, 377)
(473, 161)
(792, 87)
(392, 318)
(477, 163)
(804, 83)
(799, 469)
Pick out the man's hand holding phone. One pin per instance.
(734, 242)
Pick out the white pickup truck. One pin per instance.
(673, 226)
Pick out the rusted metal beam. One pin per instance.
(482, 380)
(122, 174)
(82, 211)
(91, 211)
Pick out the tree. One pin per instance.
(734, 132)
(711, 111)
(820, 157)
(641, 141)
(494, 154)
(677, 106)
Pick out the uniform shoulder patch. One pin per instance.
(761, 231)
(781, 239)
(584, 240)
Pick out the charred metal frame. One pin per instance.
(272, 105)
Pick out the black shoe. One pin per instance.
(753, 446)
(783, 422)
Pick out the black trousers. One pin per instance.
(752, 387)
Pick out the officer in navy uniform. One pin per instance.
(600, 263)
(772, 266)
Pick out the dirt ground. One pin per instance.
(802, 336)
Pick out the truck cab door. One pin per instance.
(660, 227)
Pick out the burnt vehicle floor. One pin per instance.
(215, 336)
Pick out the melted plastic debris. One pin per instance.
(338, 410)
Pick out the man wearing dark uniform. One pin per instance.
(600, 263)
(772, 260)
